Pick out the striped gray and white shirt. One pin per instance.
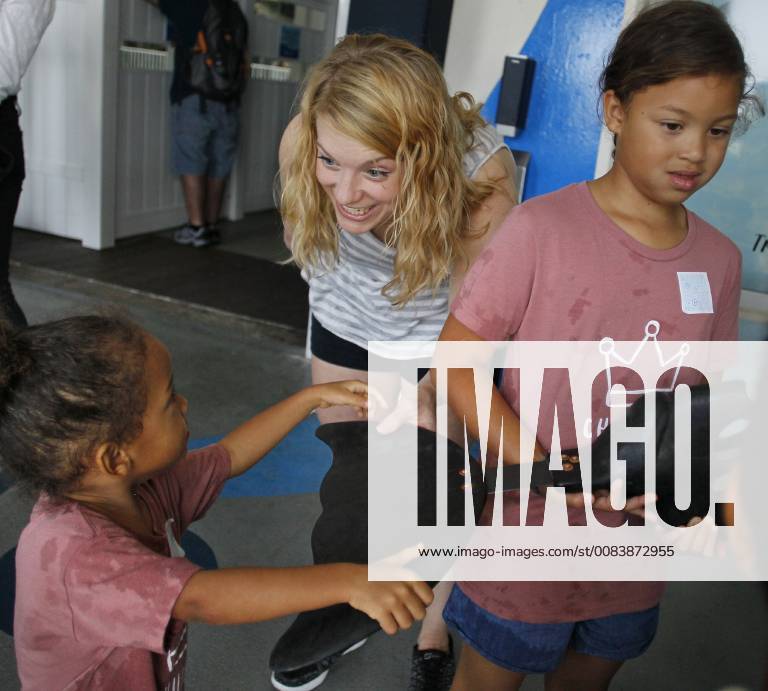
(348, 300)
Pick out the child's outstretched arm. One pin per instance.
(249, 442)
(242, 595)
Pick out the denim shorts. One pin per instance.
(538, 648)
(204, 140)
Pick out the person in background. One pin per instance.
(391, 189)
(22, 25)
(204, 131)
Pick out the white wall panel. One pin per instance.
(148, 196)
(267, 106)
(480, 35)
(266, 113)
(58, 129)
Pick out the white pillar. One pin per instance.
(68, 102)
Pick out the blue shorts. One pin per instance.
(204, 142)
(538, 648)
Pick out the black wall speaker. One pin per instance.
(515, 93)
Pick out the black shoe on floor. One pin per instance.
(311, 676)
(432, 670)
(214, 235)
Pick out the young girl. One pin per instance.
(391, 188)
(90, 418)
(598, 259)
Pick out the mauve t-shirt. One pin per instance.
(93, 603)
(560, 269)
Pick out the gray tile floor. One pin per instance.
(711, 635)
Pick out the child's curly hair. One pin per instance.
(66, 387)
(391, 96)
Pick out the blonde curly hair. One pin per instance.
(390, 96)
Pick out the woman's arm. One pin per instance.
(285, 156)
(484, 221)
(499, 168)
(243, 595)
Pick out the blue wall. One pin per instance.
(569, 44)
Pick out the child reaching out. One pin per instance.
(89, 417)
(606, 258)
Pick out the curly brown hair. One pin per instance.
(66, 387)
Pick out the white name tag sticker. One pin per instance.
(695, 293)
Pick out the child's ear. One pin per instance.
(614, 112)
(112, 460)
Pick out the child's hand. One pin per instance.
(394, 604)
(351, 393)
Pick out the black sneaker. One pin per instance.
(311, 676)
(432, 670)
(214, 235)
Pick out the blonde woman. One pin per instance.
(390, 189)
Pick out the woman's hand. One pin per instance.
(351, 393)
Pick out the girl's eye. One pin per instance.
(377, 174)
(719, 131)
(672, 126)
(328, 162)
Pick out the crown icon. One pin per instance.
(612, 357)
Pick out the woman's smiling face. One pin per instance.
(362, 183)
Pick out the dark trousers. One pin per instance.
(11, 178)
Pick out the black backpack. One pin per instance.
(216, 66)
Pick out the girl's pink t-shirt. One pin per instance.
(93, 604)
(559, 269)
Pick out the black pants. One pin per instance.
(11, 178)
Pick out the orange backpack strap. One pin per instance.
(201, 45)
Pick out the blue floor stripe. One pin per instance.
(296, 465)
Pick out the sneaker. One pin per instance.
(197, 237)
(311, 676)
(214, 235)
(432, 670)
